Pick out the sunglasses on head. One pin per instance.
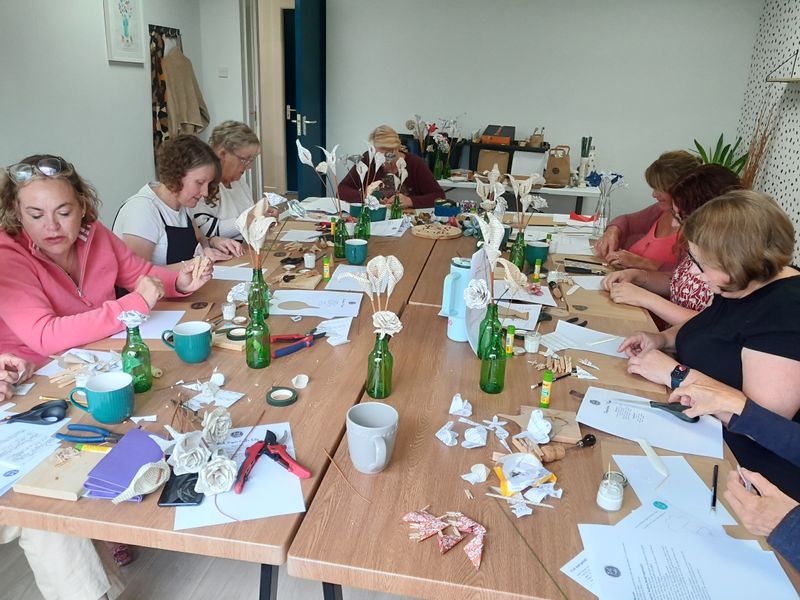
(50, 166)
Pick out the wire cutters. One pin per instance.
(301, 340)
(270, 447)
(100, 435)
(676, 409)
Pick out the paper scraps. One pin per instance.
(539, 427)
(424, 525)
(583, 373)
(210, 393)
(518, 506)
(522, 470)
(587, 363)
(447, 435)
(146, 419)
(460, 407)
(537, 494)
(336, 330)
(477, 474)
(475, 437)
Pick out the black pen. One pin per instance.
(714, 488)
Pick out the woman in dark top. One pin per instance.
(419, 190)
(749, 338)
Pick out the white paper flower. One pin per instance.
(493, 233)
(488, 205)
(493, 175)
(217, 476)
(371, 188)
(148, 479)
(254, 225)
(539, 427)
(304, 155)
(322, 168)
(330, 157)
(386, 323)
(216, 425)
(362, 279)
(501, 205)
(379, 160)
(189, 453)
(538, 202)
(377, 271)
(132, 318)
(395, 270)
(362, 169)
(477, 295)
(483, 189)
(513, 277)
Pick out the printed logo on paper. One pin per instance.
(612, 571)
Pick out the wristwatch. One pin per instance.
(678, 374)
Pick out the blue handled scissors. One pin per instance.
(101, 435)
(45, 413)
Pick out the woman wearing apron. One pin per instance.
(155, 223)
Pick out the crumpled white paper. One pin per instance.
(217, 476)
(446, 434)
(475, 437)
(132, 318)
(216, 425)
(239, 292)
(477, 474)
(518, 506)
(539, 493)
(190, 452)
(539, 427)
(522, 470)
(217, 378)
(460, 407)
(583, 373)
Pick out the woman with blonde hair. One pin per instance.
(740, 244)
(419, 190)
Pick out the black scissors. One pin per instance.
(676, 409)
(45, 413)
(100, 435)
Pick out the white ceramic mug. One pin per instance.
(371, 431)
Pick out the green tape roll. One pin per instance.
(237, 334)
(281, 396)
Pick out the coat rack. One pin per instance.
(167, 32)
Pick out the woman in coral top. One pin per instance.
(647, 239)
(60, 264)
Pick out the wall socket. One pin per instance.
(222, 72)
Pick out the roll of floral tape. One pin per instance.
(281, 396)
(237, 334)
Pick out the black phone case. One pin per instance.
(179, 491)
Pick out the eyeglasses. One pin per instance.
(694, 260)
(50, 166)
(245, 162)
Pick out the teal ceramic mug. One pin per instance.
(109, 397)
(355, 251)
(355, 209)
(191, 340)
(534, 250)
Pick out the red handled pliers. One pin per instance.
(273, 449)
(301, 340)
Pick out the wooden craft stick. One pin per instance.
(528, 502)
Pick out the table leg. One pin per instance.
(269, 583)
(578, 204)
(331, 591)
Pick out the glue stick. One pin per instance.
(510, 331)
(537, 267)
(326, 268)
(547, 383)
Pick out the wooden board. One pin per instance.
(303, 281)
(64, 481)
(565, 427)
(220, 340)
(436, 231)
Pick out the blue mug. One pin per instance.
(109, 397)
(191, 341)
(356, 251)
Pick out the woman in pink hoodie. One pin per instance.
(60, 264)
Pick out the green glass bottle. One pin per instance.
(518, 251)
(339, 238)
(379, 369)
(362, 231)
(136, 361)
(493, 366)
(256, 345)
(397, 209)
(489, 323)
(259, 292)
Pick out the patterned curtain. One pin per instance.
(159, 90)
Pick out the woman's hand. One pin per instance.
(231, 248)
(759, 514)
(609, 242)
(653, 365)
(624, 259)
(636, 276)
(151, 288)
(14, 369)
(628, 293)
(186, 283)
(642, 341)
(708, 396)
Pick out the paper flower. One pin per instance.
(304, 155)
(148, 479)
(475, 437)
(216, 425)
(190, 452)
(477, 474)
(254, 225)
(494, 175)
(362, 279)
(217, 476)
(493, 233)
(460, 407)
(386, 323)
(132, 318)
(539, 427)
(514, 278)
(371, 202)
(396, 271)
(477, 294)
(362, 169)
(446, 434)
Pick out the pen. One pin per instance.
(536, 385)
(714, 488)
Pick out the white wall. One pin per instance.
(640, 76)
(61, 95)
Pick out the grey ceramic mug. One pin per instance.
(371, 431)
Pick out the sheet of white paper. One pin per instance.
(233, 273)
(571, 242)
(683, 488)
(388, 228)
(589, 282)
(270, 490)
(327, 204)
(579, 570)
(528, 324)
(339, 283)
(642, 564)
(52, 367)
(321, 304)
(586, 339)
(223, 398)
(158, 323)
(500, 287)
(146, 419)
(299, 235)
(663, 430)
(22, 447)
(537, 233)
(336, 328)
(23, 388)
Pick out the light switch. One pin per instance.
(222, 72)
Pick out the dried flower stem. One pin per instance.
(333, 462)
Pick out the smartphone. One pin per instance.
(179, 491)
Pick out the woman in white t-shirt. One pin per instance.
(155, 222)
(237, 147)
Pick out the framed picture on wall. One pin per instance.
(124, 30)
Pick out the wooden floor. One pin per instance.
(152, 576)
